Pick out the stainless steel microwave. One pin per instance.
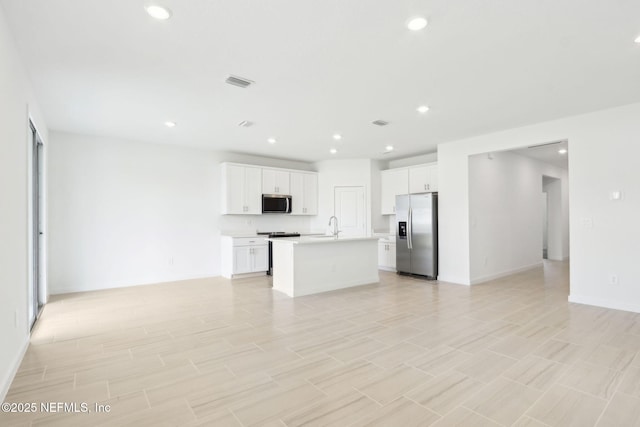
(276, 203)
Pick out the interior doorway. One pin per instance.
(552, 219)
(350, 209)
(36, 288)
(545, 225)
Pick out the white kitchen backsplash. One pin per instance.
(392, 224)
(274, 222)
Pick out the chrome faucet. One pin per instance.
(335, 226)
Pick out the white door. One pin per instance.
(418, 179)
(350, 210)
(260, 258)
(252, 190)
(310, 194)
(297, 194)
(242, 259)
(433, 178)
(393, 183)
(235, 202)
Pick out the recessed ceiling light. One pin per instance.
(337, 136)
(170, 124)
(417, 23)
(562, 151)
(637, 40)
(333, 151)
(271, 140)
(158, 12)
(389, 148)
(422, 109)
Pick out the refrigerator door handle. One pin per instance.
(410, 229)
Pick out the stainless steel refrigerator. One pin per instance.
(417, 234)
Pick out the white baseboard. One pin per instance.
(245, 275)
(605, 303)
(483, 279)
(453, 280)
(8, 379)
(127, 284)
(391, 269)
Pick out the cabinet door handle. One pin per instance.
(428, 187)
(425, 186)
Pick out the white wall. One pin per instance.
(603, 153)
(125, 213)
(412, 161)
(348, 172)
(379, 223)
(16, 104)
(505, 216)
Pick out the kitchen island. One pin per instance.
(314, 264)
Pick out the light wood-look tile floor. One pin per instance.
(399, 353)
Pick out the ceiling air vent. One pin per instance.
(245, 124)
(239, 81)
(380, 123)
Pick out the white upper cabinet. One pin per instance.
(275, 181)
(433, 176)
(411, 180)
(244, 185)
(393, 182)
(304, 193)
(423, 178)
(241, 189)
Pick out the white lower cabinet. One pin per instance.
(242, 255)
(386, 255)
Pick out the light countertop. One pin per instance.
(323, 239)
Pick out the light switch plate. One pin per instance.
(587, 222)
(615, 195)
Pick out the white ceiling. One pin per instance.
(548, 153)
(321, 67)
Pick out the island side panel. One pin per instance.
(328, 266)
(283, 260)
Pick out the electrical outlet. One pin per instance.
(613, 279)
(171, 261)
(15, 319)
(486, 261)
